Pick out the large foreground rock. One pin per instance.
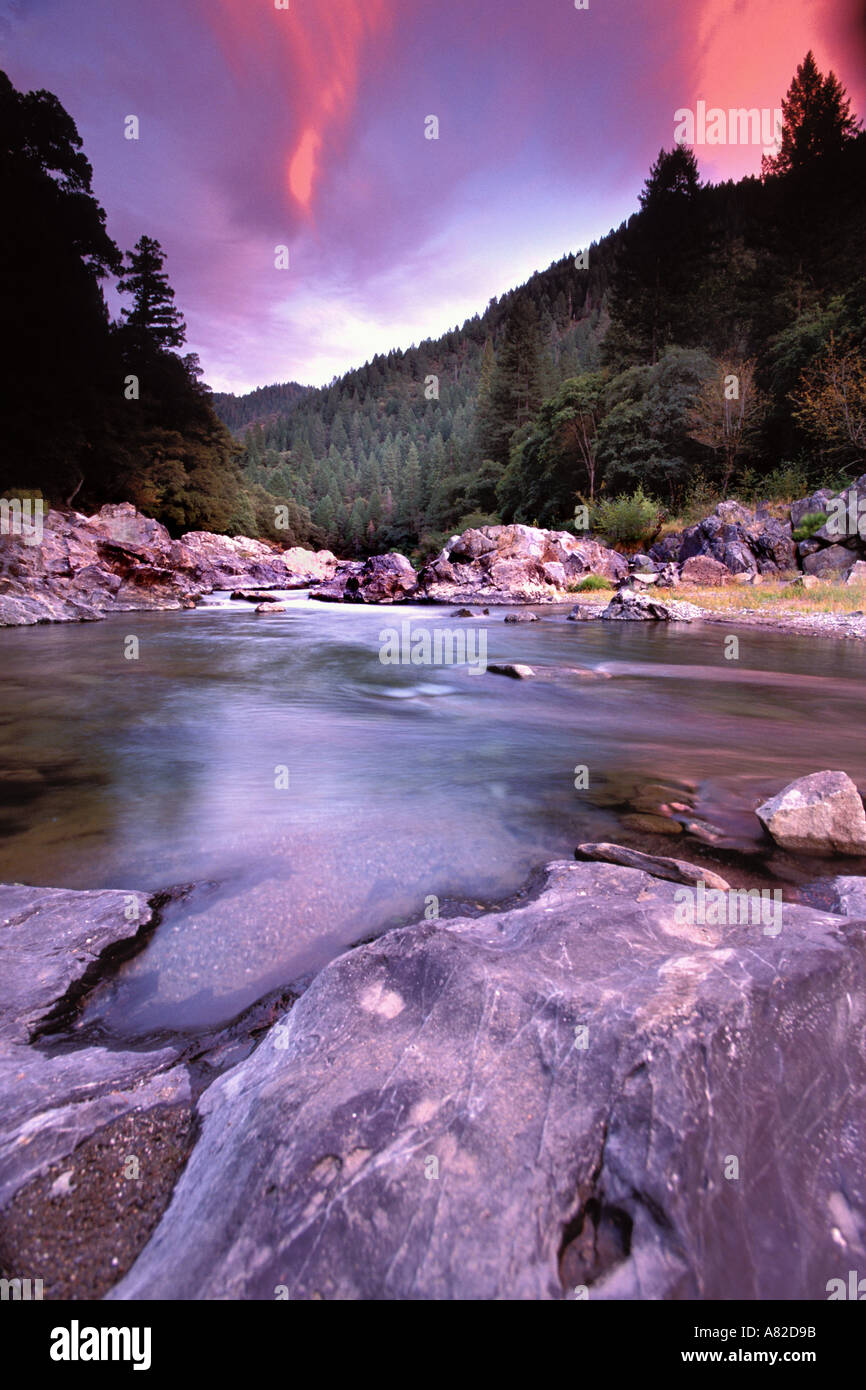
(821, 814)
(516, 564)
(511, 1106)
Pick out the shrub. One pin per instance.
(588, 583)
(810, 523)
(784, 484)
(629, 518)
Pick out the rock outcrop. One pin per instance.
(515, 564)
(742, 540)
(821, 814)
(539, 1101)
(834, 550)
(82, 568)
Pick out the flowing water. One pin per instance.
(312, 795)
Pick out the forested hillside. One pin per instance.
(257, 407)
(395, 452)
(703, 349)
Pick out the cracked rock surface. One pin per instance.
(53, 944)
(582, 1090)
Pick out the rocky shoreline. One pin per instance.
(79, 569)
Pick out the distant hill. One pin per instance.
(256, 407)
(378, 458)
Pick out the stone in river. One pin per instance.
(513, 669)
(678, 870)
(820, 814)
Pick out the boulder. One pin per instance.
(522, 618)
(703, 569)
(313, 565)
(333, 590)
(835, 560)
(512, 669)
(229, 562)
(847, 894)
(627, 606)
(668, 577)
(642, 579)
(538, 1102)
(667, 550)
(382, 579)
(819, 814)
(857, 573)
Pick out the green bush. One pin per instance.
(629, 519)
(784, 484)
(588, 583)
(811, 522)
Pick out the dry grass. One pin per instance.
(775, 595)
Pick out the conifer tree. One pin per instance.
(154, 318)
(516, 387)
(817, 120)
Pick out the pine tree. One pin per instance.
(817, 120)
(516, 388)
(153, 317)
(483, 418)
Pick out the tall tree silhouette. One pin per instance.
(817, 120)
(154, 318)
(54, 251)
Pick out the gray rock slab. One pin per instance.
(493, 1108)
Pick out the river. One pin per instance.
(311, 795)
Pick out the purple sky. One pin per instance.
(305, 127)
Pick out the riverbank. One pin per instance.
(827, 610)
(80, 569)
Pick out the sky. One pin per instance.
(304, 124)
